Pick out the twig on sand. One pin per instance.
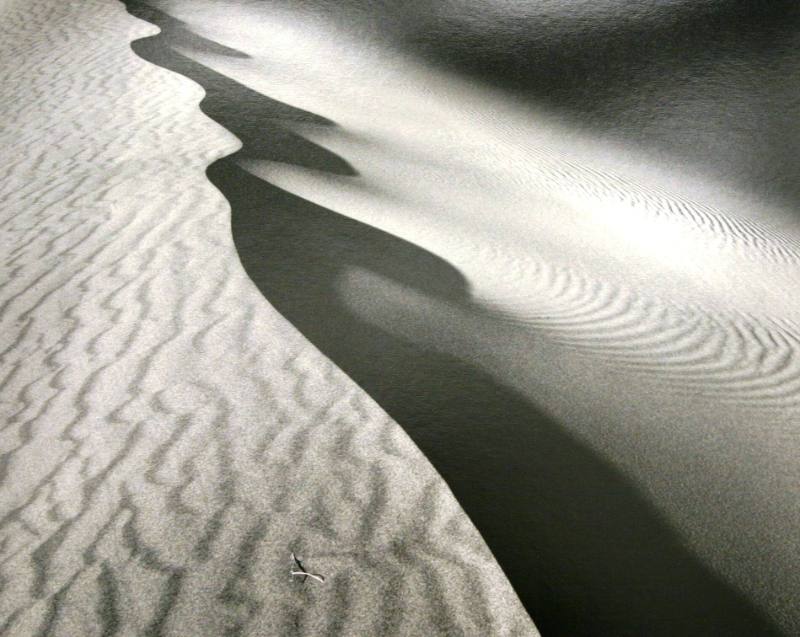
(301, 571)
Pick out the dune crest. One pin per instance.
(592, 339)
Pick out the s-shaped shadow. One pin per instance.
(587, 554)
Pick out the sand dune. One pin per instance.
(167, 438)
(597, 350)
(594, 341)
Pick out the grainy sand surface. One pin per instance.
(596, 344)
(238, 233)
(167, 437)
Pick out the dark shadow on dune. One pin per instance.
(586, 553)
(709, 83)
(179, 33)
(257, 120)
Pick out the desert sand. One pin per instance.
(345, 279)
(168, 439)
(593, 340)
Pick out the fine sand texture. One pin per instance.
(168, 439)
(595, 341)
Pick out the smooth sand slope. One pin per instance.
(596, 345)
(167, 438)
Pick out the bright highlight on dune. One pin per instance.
(484, 309)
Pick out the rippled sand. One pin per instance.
(168, 439)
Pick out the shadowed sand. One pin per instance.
(605, 371)
(168, 440)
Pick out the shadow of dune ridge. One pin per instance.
(704, 83)
(260, 122)
(180, 34)
(587, 554)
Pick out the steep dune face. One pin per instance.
(167, 438)
(594, 342)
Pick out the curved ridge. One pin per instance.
(165, 433)
(313, 263)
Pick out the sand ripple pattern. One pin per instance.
(167, 439)
(741, 359)
(721, 230)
